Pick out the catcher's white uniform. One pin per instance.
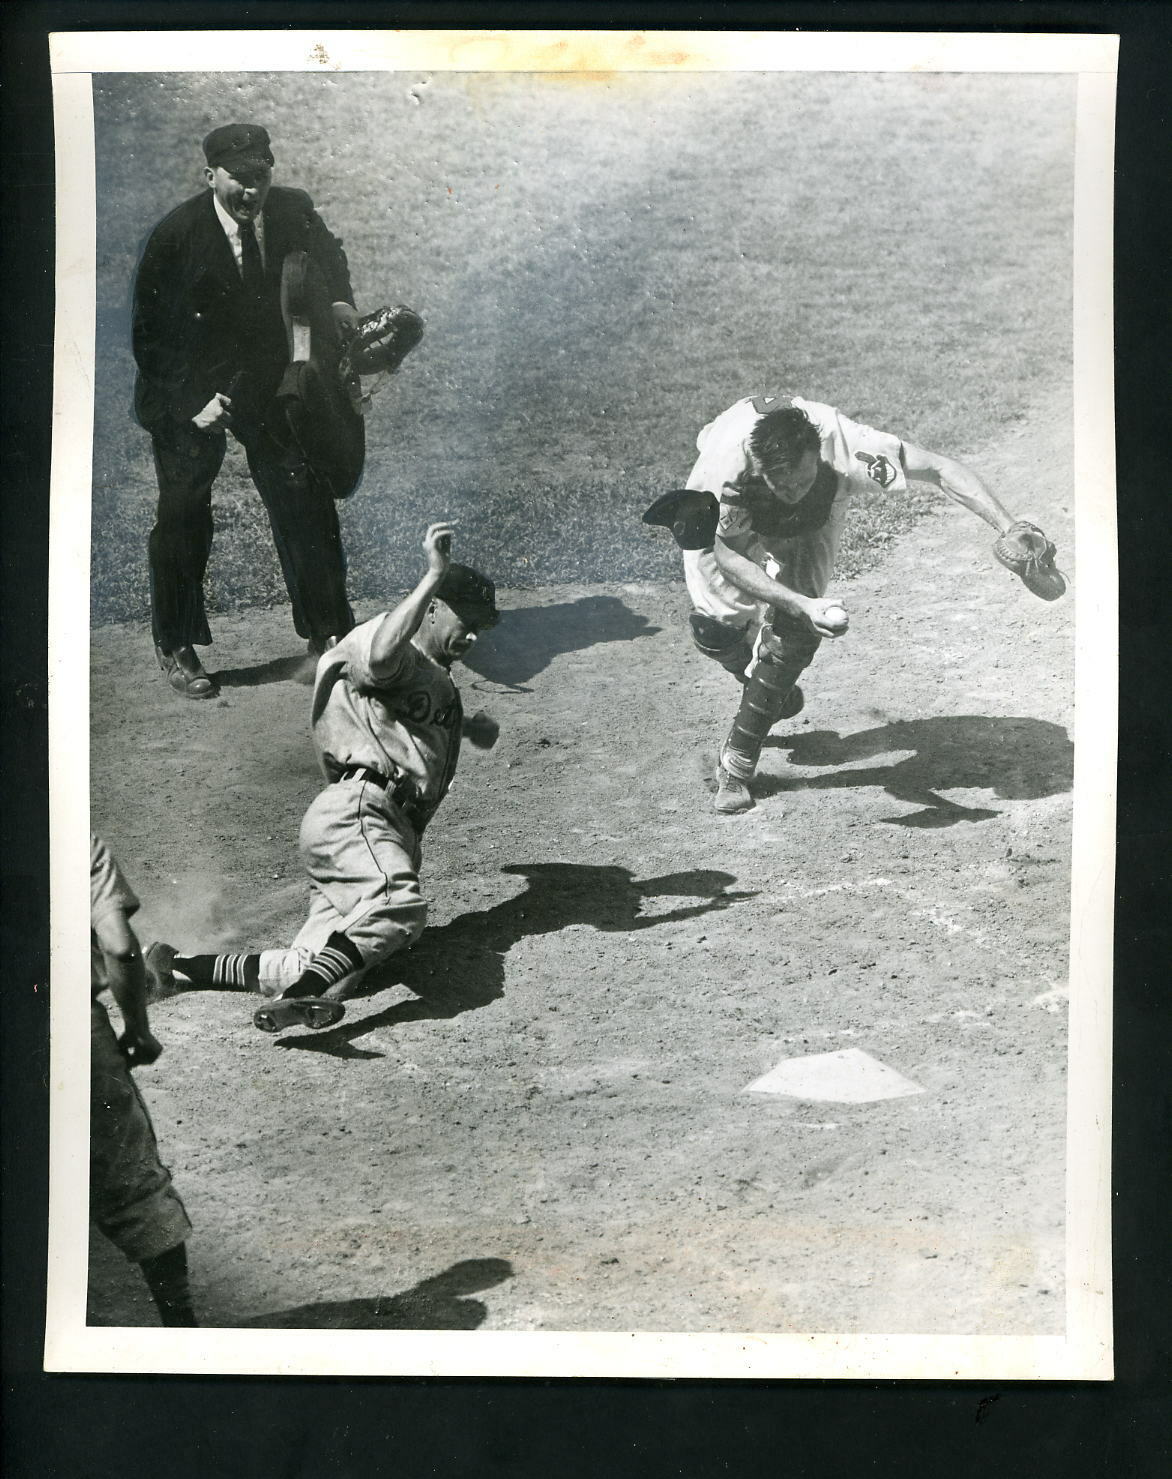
(360, 838)
(853, 455)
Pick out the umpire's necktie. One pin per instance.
(252, 268)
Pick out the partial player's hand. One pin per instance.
(437, 545)
(217, 411)
(826, 617)
(346, 318)
(481, 730)
(139, 1048)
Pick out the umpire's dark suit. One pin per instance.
(195, 328)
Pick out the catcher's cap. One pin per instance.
(690, 514)
(237, 146)
(469, 594)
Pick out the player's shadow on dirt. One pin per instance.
(460, 966)
(276, 670)
(529, 638)
(440, 1303)
(1016, 759)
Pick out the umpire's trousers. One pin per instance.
(303, 518)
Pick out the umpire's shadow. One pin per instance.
(276, 670)
(439, 1303)
(1015, 759)
(460, 966)
(530, 637)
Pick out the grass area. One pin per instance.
(603, 266)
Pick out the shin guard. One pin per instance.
(787, 648)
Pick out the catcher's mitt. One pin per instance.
(381, 342)
(689, 513)
(1025, 550)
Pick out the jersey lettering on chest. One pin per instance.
(420, 706)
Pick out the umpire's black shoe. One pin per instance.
(316, 646)
(186, 674)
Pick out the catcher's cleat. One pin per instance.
(159, 960)
(300, 1011)
(732, 795)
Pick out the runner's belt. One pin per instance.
(401, 791)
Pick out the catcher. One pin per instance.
(759, 523)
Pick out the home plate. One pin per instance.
(848, 1077)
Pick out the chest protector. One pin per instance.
(773, 520)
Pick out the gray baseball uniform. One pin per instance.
(388, 748)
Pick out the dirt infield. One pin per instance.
(537, 1120)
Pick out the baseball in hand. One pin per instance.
(836, 619)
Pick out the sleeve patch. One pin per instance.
(879, 468)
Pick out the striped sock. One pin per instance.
(220, 972)
(337, 959)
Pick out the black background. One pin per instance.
(88, 1427)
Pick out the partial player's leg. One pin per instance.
(132, 1200)
(785, 648)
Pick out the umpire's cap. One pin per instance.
(690, 514)
(236, 146)
(469, 594)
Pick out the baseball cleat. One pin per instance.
(299, 1011)
(159, 960)
(732, 795)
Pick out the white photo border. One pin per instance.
(1085, 1351)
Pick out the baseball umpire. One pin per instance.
(132, 1199)
(760, 522)
(387, 725)
(211, 346)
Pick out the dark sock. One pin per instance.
(166, 1276)
(220, 972)
(337, 959)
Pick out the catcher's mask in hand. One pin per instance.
(690, 514)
